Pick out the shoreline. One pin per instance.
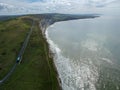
(46, 20)
(51, 54)
(38, 64)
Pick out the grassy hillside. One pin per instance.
(12, 35)
(36, 71)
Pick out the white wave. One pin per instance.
(62, 64)
(74, 75)
(107, 60)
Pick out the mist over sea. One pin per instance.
(87, 51)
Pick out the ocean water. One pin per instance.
(87, 52)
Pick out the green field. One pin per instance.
(36, 71)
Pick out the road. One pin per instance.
(19, 57)
(44, 24)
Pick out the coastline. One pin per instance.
(51, 54)
(38, 69)
(46, 20)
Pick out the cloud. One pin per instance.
(11, 9)
(42, 6)
(100, 3)
(5, 6)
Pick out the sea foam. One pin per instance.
(73, 75)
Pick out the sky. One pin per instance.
(54, 6)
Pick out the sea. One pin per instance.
(87, 51)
